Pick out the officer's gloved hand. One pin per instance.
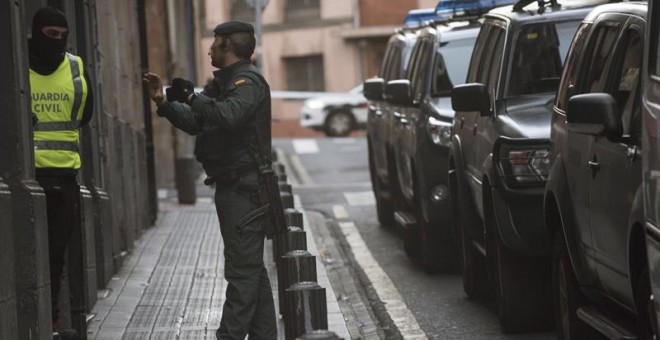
(180, 90)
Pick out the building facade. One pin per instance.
(311, 45)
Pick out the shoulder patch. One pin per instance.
(240, 82)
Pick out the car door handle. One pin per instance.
(632, 152)
(404, 121)
(594, 166)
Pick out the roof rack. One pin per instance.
(542, 4)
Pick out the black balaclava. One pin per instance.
(47, 53)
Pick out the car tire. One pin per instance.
(644, 305)
(339, 123)
(473, 266)
(473, 263)
(435, 252)
(523, 291)
(384, 208)
(567, 296)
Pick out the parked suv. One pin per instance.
(593, 198)
(499, 158)
(422, 137)
(380, 121)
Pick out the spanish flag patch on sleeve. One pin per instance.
(240, 82)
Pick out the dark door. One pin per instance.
(618, 177)
(579, 160)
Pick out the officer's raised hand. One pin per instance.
(155, 87)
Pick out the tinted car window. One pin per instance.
(452, 62)
(570, 68)
(627, 83)
(538, 53)
(604, 44)
(482, 41)
(496, 61)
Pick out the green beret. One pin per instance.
(230, 27)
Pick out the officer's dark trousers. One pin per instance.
(62, 200)
(249, 308)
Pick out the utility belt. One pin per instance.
(224, 176)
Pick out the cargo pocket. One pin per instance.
(247, 222)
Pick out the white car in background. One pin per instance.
(337, 114)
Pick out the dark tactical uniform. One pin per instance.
(231, 120)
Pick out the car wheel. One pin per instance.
(384, 208)
(473, 263)
(339, 123)
(523, 291)
(567, 297)
(436, 253)
(645, 310)
(473, 266)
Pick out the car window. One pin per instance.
(654, 64)
(538, 52)
(482, 41)
(496, 62)
(485, 63)
(569, 76)
(420, 79)
(451, 65)
(601, 49)
(626, 84)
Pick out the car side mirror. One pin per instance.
(372, 89)
(471, 97)
(595, 114)
(398, 92)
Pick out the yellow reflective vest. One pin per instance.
(58, 101)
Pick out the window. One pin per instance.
(567, 86)
(604, 44)
(241, 11)
(302, 10)
(626, 85)
(418, 73)
(496, 63)
(305, 73)
(482, 41)
(537, 58)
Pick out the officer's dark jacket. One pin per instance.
(229, 118)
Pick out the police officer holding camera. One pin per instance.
(231, 122)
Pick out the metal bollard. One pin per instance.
(279, 168)
(285, 187)
(320, 334)
(294, 218)
(294, 239)
(281, 178)
(273, 155)
(287, 200)
(306, 309)
(293, 267)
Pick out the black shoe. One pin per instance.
(65, 334)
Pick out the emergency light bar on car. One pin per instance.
(450, 9)
(417, 17)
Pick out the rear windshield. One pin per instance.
(538, 56)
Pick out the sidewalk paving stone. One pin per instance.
(172, 285)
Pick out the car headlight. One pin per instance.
(315, 104)
(522, 164)
(439, 131)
